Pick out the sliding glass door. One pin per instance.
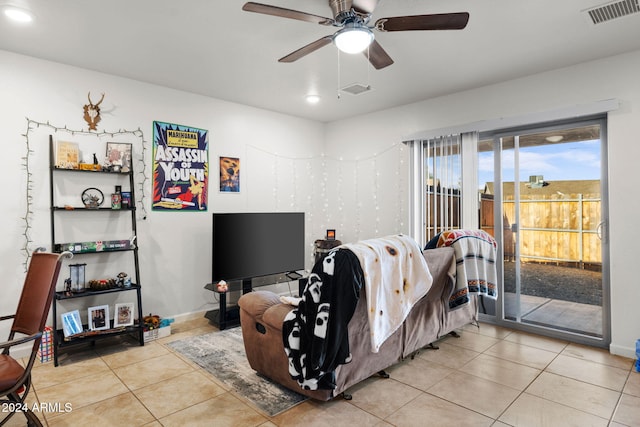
(542, 196)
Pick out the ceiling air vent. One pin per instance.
(356, 88)
(613, 10)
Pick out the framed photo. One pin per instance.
(118, 157)
(123, 315)
(71, 323)
(229, 174)
(98, 317)
(331, 234)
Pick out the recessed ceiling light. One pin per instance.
(18, 14)
(313, 99)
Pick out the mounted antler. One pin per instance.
(92, 112)
(99, 102)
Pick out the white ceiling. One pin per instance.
(213, 48)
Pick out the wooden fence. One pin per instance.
(442, 210)
(552, 228)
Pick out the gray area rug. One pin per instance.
(222, 355)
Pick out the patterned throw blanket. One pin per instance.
(475, 264)
(396, 277)
(314, 334)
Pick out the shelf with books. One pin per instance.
(74, 233)
(95, 246)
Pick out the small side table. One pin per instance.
(225, 317)
(322, 247)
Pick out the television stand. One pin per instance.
(226, 316)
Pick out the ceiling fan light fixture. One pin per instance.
(353, 39)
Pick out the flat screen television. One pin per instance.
(248, 245)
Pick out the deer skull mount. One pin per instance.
(92, 112)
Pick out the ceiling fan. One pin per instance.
(355, 34)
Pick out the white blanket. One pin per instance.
(396, 277)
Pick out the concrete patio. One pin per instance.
(565, 315)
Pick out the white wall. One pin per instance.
(351, 175)
(615, 77)
(175, 248)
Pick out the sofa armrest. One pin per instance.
(261, 316)
(265, 307)
(257, 302)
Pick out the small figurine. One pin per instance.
(151, 321)
(222, 286)
(67, 287)
(123, 280)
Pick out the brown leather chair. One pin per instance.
(28, 323)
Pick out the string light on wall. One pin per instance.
(312, 179)
(310, 209)
(376, 190)
(339, 185)
(26, 163)
(319, 213)
(326, 216)
(32, 125)
(308, 203)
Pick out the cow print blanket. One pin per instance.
(315, 334)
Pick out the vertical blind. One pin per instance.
(443, 189)
(443, 168)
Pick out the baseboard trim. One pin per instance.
(185, 317)
(619, 350)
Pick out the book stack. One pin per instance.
(97, 246)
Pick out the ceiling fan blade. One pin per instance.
(378, 57)
(303, 51)
(440, 21)
(286, 13)
(365, 6)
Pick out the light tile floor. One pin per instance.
(488, 377)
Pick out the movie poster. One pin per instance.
(180, 167)
(230, 174)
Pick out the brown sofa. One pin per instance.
(262, 315)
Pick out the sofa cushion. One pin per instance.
(433, 243)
